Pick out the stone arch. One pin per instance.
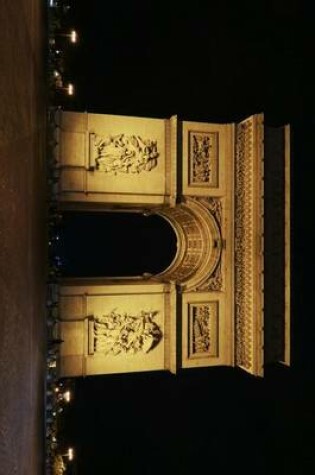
(197, 226)
(196, 223)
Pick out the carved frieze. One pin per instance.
(203, 159)
(214, 283)
(214, 205)
(125, 153)
(243, 244)
(203, 328)
(194, 251)
(120, 333)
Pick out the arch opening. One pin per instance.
(114, 244)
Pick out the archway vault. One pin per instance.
(197, 224)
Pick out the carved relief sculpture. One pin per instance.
(243, 239)
(125, 154)
(214, 283)
(203, 159)
(214, 205)
(203, 329)
(118, 333)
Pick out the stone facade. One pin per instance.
(206, 180)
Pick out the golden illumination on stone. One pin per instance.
(207, 181)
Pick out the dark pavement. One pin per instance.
(22, 236)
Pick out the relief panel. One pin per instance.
(203, 159)
(207, 151)
(203, 329)
(124, 153)
(122, 333)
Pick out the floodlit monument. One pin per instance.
(225, 298)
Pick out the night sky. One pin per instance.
(214, 62)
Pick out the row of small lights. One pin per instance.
(66, 396)
(69, 89)
(73, 36)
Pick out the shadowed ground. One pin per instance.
(22, 236)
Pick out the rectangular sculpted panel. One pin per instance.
(120, 333)
(203, 159)
(122, 153)
(203, 329)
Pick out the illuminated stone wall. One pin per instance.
(114, 327)
(116, 159)
(207, 180)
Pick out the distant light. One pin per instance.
(70, 89)
(67, 396)
(73, 36)
(56, 73)
(70, 453)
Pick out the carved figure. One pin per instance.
(201, 331)
(201, 158)
(125, 154)
(214, 283)
(122, 333)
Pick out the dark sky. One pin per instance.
(211, 61)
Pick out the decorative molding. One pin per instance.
(199, 243)
(214, 283)
(203, 329)
(249, 245)
(193, 248)
(125, 153)
(203, 159)
(121, 333)
(243, 242)
(214, 205)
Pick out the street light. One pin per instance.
(73, 36)
(69, 454)
(69, 89)
(67, 396)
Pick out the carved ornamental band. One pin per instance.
(248, 247)
(214, 283)
(125, 153)
(243, 230)
(203, 159)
